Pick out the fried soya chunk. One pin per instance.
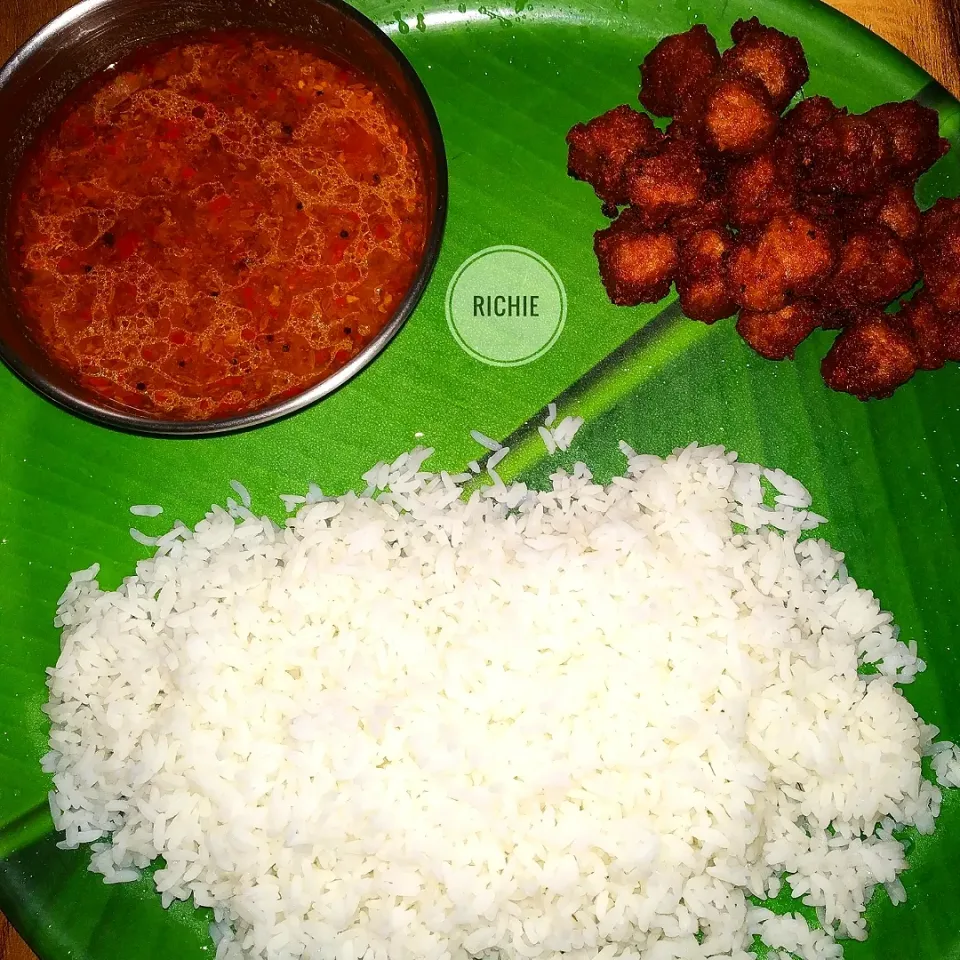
(895, 207)
(702, 278)
(801, 122)
(776, 334)
(848, 155)
(738, 117)
(769, 56)
(820, 206)
(789, 256)
(873, 268)
(666, 183)
(709, 213)
(600, 149)
(834, 319)
(676, 68)
(935, 334)
(950, 332)
(870, 358)
(637, 265)
(939, 253)
(899, 212)
(762, 186)
(914, 134)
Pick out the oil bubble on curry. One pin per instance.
(215, 224)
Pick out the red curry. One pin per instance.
(216, 223)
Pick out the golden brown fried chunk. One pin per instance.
(762, 186)
(776, 334)
(769, 56)
(702, 278)
(799, 128)
(671, 181)
(941, 216)
(939, 253)
(637, 265)
(847, 155)
(899, 212)
(930, 329)
(870, 358)
(600, 149)
(676, 68)
(738, 117)
(914, 134)
(802, 121)
(873, 268)
(895, 207)
(789, 256)
(711, 212)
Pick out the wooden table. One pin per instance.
(927, 31)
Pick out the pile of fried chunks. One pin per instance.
(795, 221)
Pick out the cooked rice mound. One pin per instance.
(593, 721)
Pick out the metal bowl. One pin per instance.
(96, 33)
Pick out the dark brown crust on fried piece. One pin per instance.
(870, 358)
(762, 186)
(821, 206)
(669, 182)
(712, 212)
(776, 334)
(895, 207)
(637, 265)
(676, 68)
(769, 56)
(873, 268)
(899, 212)
(796, 222)
(914, 135)
(702, 277)
(951, 336)
(799, 128)
(943, 214)
(789, 256)
(801, 122)
(847, 155)
(929, 327)
(599, 150)
(738, 117)
(939, 253)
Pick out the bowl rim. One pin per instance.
(133, 424)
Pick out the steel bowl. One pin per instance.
(97, 33)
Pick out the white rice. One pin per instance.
(590, 721)
(142, 538)
(790, 492)
(146, 510)
(567, 429)
(548, 440)
(496, 457)
(946, 764)
(485, 441)
(242, 492)
(561, 436)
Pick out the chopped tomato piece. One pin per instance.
(220, 204)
